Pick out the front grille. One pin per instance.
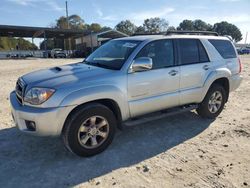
(20, 86)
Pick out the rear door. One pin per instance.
(195, 66)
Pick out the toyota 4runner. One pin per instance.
(126, 78)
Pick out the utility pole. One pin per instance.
(67, 17)
(67, 14)
(246, 38)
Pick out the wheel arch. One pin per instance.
(223, 82)
(109, 103)
(219, 76)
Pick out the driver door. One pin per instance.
(158, 88)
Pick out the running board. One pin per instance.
(159, 115)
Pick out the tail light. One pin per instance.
(240, 65)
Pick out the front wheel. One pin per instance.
(89, 130)
(213, 103)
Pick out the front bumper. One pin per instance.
(49, 121)
(234, 81)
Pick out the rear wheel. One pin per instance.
(213, 103)
(90, 130)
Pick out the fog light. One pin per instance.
(31, 125)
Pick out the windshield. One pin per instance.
(113, 54)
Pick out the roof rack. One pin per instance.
(140, 34)
(192, 33)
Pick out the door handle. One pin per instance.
(205, 67)
(173, 72)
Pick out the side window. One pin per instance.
(224, 47)
(161, 52)
(192, 51)
(189, 51)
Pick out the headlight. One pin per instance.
(36, 96)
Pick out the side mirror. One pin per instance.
(141, 64)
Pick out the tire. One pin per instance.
(81, 143)
(206, 109)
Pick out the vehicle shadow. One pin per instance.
(27, 161)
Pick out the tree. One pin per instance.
(171, 28)
(95, 27)
(126, 27)
(105, 28)
(155, 25)
(61, 23)
(225, 28)
(140, 30)
(186, 25)
(7, 43)
(75, 22)
(200, 25)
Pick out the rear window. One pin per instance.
(224, 47)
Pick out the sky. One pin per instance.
(110, 12)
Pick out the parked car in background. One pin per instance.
(245, 51)
(239, 51)
(242, 51)
(58, 53)
(124, 79)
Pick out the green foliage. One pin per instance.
(140, 30)
(155, 25)
(196, 25)
(186, 25)
(61, 23)
(95, 27)
(200, 25)
(75, 22)
(105, 28)
(222, 28)
(171, 28)
(225, 28)
(11, 44)
(126, 27)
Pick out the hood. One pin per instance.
(60, 76)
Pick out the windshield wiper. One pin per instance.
(99, 65)
(103, 66)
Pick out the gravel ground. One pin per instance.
(178, 151)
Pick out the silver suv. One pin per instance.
(126, 78)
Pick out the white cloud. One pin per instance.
(51, 5)
(99, 12)
(139, 17)
(97, 9)
(54, 6)
(24, 2)
(108, 20)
